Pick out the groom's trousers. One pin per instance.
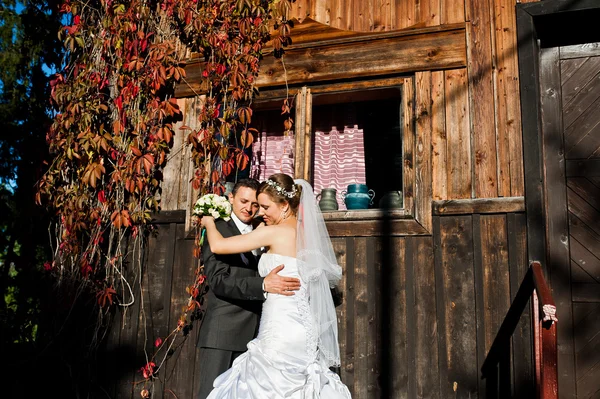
(213, 362)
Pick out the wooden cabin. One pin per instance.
(496, 120)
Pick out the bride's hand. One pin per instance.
(207, 221)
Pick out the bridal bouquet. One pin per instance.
(212, 205)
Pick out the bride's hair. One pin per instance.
(281, 188)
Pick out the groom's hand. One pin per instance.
(276, 284)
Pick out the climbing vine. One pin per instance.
(115, 119)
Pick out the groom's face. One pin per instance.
(244, 204)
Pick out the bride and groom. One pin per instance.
(297, 340)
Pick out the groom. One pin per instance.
(236, 291)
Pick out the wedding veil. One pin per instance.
(318, 267)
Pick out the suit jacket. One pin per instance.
(234, 298)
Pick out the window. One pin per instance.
(349, 133)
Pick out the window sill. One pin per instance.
(372, 223)
(365, 214)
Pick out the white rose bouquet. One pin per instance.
(212, 205)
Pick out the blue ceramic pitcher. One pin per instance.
(358, 196)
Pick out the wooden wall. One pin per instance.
(417, 318)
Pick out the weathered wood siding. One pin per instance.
(417, 318)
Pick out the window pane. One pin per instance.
(272, 150)
(358, 139)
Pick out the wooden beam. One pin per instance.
(165, 217)
(354, 57)
(479, 205)
(376, 228)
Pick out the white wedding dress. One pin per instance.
(283, 360)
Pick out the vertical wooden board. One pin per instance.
(453, 11)
(428, 12)
(361, 319)
(130, 316)
(181, 366)
(373, 310)
(556, 223)
(192, 108)
(336, 13)
(399, 371)
(411, 328)
(299, 132)
(508, 123)
(439, 142)
(408, 142)
(426, 327)
(522, 338)
(481, 94)
(459, 170)
(171, 172)
(350, 299)
(360, 16)
(458, 306)
(406, 14)
(301, 9)
(109, 376)
(158, 270)
(339, 248)
(496, 282)
(383, 16)
(423, 191)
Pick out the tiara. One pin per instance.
(281, 190)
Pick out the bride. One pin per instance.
(297, 337)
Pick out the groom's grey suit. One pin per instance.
(234, 300)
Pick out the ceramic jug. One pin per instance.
(358, 196)
(328, 200)
(391, 200)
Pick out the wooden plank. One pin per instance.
(300, 9)
(368, 57)
(361, 320)
(580, 50)
(569, 66)
(580, 136)
(339, 248)
(523, 379)
(358, 17)
(586, 168)
(366, 228)
(166, 217)
(483, 384)
(557, 229)
(129, 318)
(307, 131)
(528, 56)
(579, 207)
(429, 12)
(374, 329)
(181, 366)
(586, 260)
(439, 142)
(453, 11)
(457, 133)
(350, 299)
(396, 380)
(408, 143)
(411, 328)
(426, 327)
(423, 189)
(496, 278)
(299, 132)
(479, 205)
(406, 14)
(365, 214)
(458, 306)
(441, 304)
(586, 292)
(584, 234)
(169, 198)
(587, 94)
(576, 82)
(508, 121)
(481, 95)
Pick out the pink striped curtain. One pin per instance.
(272, 154)
(339, 160)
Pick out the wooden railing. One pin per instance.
(496, 369)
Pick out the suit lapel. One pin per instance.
(246, 256)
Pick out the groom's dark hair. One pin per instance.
(250, 183)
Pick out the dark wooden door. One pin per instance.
(570, 97)
(580, 81)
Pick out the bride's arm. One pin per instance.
(261, 237)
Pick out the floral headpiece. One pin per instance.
(281, 190)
